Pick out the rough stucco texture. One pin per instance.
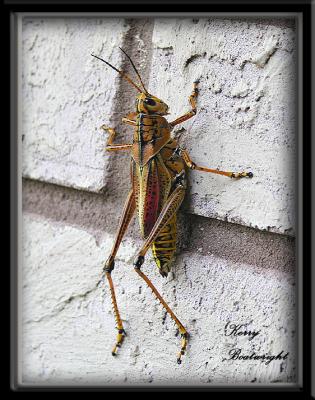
(246, 113)
(229, 268)
(66, 94)
(68, 324)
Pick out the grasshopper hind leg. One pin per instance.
(181, 328)
(165, 218)
(121, 332)
(127, 215)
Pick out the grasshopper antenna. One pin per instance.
(120, 72)
(134, 67)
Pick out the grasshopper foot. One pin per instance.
(183, 348)
(195, 85)
(242, 174)
(105, 128)
(120, 338)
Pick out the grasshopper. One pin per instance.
(158, 185)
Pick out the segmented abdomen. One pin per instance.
(152, 186)
(164, 247)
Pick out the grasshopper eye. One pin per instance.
(150, 102)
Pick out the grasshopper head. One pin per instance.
(145, 103)
(149, 104)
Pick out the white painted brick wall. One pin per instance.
(245, 120)
(68, 324)
(67, 95)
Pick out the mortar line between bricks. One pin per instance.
(30, 186)
(96, 214)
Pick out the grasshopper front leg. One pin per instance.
(110, 146)
(192, 112)
(185, 156)
(130, 119)
(128, 213)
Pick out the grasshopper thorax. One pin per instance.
(149, 104)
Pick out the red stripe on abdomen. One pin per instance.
(152, 198)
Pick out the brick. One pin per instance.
(66, 96)
(246, 113)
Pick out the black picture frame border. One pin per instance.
(11, 8)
